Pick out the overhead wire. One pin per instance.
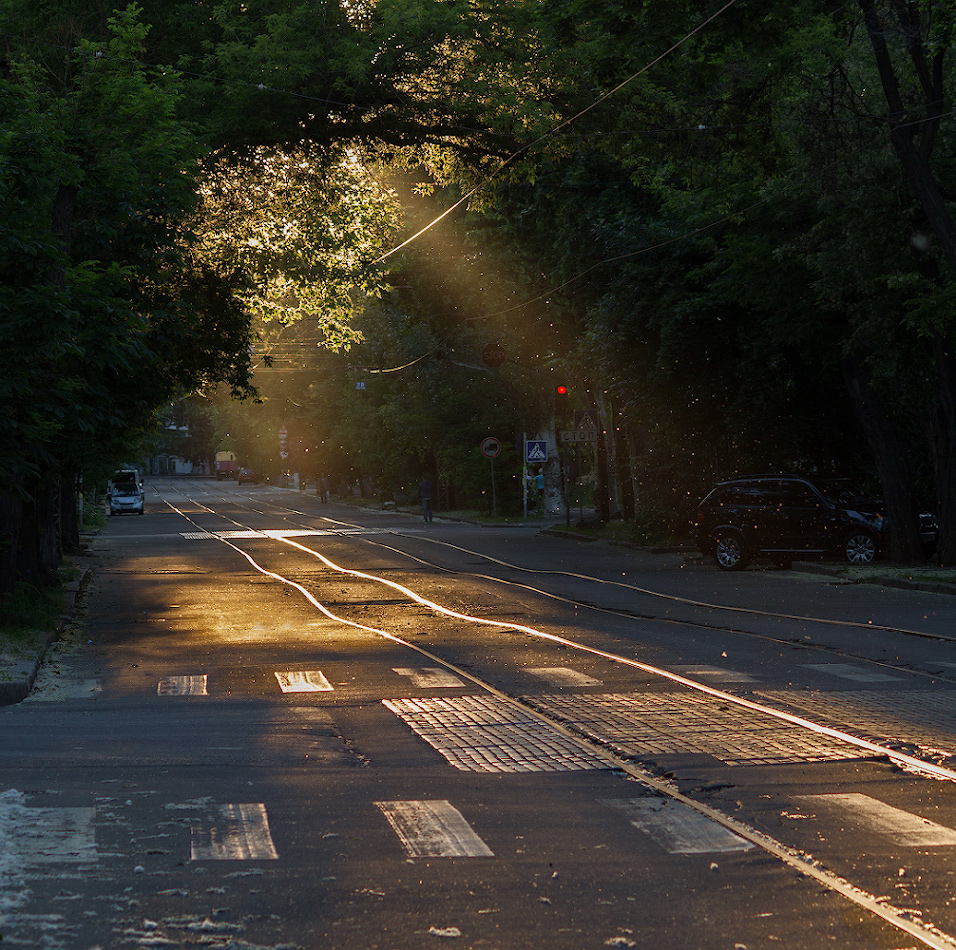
(554, 130)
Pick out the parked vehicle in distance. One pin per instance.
(128, 497)
(226, 465)
(248, 477)
(781, 517)
(126, 476)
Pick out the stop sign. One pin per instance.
(493, 355)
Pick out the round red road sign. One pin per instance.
(490, 447)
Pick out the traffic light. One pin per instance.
(561, 390)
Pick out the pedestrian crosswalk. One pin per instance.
(481, 732)
(434, 829)
(677, 827)
(870, 814)
(38, 838)
(236, 833)
(190, 685)
(303, 681)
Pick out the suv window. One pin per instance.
(800, 496)
(752, 494)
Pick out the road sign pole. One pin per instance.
(490, 447)
(524, 474)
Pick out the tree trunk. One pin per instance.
(11, 517)
(625, 469)
(69, 516)
(892, 466)
(39, 553)
(942, 426)
(913, 143)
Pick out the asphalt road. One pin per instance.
(283, 724)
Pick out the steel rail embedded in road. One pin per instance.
(903, 759)
(901, 919)
(686, 601)
(660, 595)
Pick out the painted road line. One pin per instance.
(434, 829)
(183, 685)
(562, 676)
(53, 835)
(305, 681)
(715, 673)
(678, 828)
(237, 833)
(849, 671)
(905, 828)
(429, 677)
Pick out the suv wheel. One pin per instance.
(859, 547)
(730, 552)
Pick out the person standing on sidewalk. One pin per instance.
(425, 493)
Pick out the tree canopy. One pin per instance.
(731, 233)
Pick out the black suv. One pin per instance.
(780, 517)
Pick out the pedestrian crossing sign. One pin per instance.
(537, 451)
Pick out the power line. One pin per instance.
(555, 129)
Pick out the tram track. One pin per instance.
(872, 748)
(880, 907)
(687, 622)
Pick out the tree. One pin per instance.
(911, 43)
(108, 311)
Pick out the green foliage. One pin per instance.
(107, 311)
(27, 610)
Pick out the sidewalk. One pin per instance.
(20, 662)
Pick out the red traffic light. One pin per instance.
(562, 390)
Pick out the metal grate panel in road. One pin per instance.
(485, 734)
(921, 717)
(639, 725)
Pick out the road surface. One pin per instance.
(283, 724)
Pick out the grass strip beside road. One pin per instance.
(31, 618)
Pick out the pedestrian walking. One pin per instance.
(425, 493)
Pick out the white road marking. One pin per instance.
(849, 671)
(563, 676)
(279, 534)
(677, 828)
(716, 673)
(306, 681)
(430, 677)
(434, 829)
(899, 919)
(905, 828)
(54, 835)
(240, 833)
(183, 685)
